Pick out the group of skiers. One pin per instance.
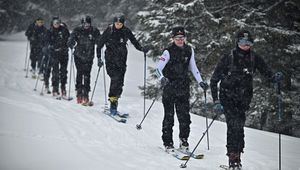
(49, 50)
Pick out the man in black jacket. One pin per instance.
(235, 72)
(37, 35)
(84, 37)
(172, 70)
(57, 38)
(115, 38)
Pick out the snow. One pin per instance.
(242, 24)
(293, 49)
(41, 133)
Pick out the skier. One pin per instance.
(172, 71)
(115, 38)
(84, 37)
(37, 35)
(235, 72)
(57, 37)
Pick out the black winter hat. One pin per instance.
(244, 37)
(39, 19)
(178, 30)
(119, 18)
(56, 18)
(87, 19)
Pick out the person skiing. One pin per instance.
(36, 34)
(84, 37)
(115, 38)
(57, 38)
(172, 71)
(235, 72)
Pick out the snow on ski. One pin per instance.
(115, 117)
(176, 154)
(189, 153)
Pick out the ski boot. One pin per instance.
(85, 97)
(113, 105)
(85, 100)
(47, 90)
(79, 99)
(63, 92)
(41, 76)
(79, 96)
(33, 74)
(55, 92)
(184, 145)
(169, 147)
(234, 161)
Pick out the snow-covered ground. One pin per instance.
(41, 133)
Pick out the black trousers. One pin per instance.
(83, 76)
(59, 69)
(235, 120)
(172, 100)
(116, 74)
(36, 55)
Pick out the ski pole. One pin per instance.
(279, 100)
(47, 71)
(104, 84)
(74, 77)
(144, 82)
(27, 68)
(38, 77)
(139, 126)
(183, 165)
(91, 103)
(26, 56)
(70, 76)
(278, 79)
(207, 135)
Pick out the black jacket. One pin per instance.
(114, 38)
(85, 41)
(37, 35)
(58, 38)
(235, 71)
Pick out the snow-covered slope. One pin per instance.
(41, 133)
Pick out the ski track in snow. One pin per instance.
(41, 133)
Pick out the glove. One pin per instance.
(100, 62)
(278, 77)
(218, 108)
(164, 81)
(145, 49)
(203, 85)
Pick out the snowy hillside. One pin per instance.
(41, 133)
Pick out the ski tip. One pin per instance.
(224, 167)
